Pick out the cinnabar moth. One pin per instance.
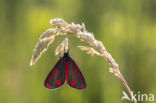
(67, 71)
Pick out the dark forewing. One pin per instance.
(74, 76)
(56, 77)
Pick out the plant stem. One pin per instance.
(126, 86)
(119, 75)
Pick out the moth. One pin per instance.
(65, 71)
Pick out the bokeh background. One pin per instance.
(127, 28)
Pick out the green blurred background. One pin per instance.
(126, 27)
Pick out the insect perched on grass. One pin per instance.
(66, 65)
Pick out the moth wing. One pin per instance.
(75, 78)
(56, 77)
